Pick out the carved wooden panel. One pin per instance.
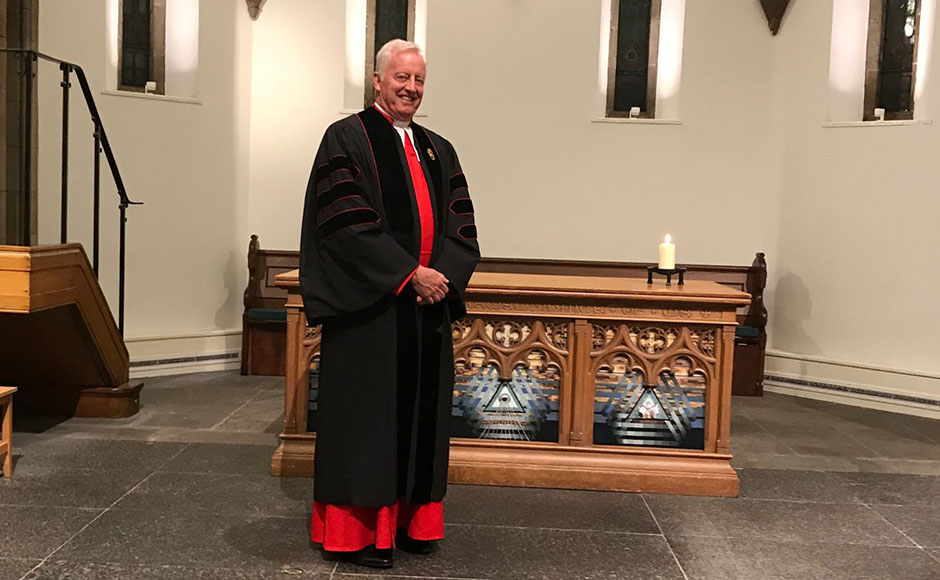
(650, 383)
(510, 377)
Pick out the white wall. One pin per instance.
(514, 84)
(187, 162)
(296, 92)
(854, 292)
(546, 180)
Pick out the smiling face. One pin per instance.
(400, 88)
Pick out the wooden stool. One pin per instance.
(6, 432)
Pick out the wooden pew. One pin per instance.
(265, 324)
(264, 321)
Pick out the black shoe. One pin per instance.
(413, 546)
(372, 557)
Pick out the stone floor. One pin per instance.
(182, 491)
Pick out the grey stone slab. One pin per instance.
(726, 559)
(782, 484)
(271, 426)
(773, 520)
(35, 531)
(893, 488)
(179, 434)
(896, 424)
(490, 552)
(129, 456)
(55, 570)
(171, 434)
(217, 393)
(929, 428)
(213, 493)
(886, 426)
(23, 439)
(741, 424)
(774, 401)
(548, 508)
(798, 462)
(53, 486)
(186, 420)
(758, 444)
(196, 540)
(218, 410)
(264, 413)
(23, 423)
(200, 381)
(155, 397)
(921, 523)
(70, 430)
(934, 553)
(910, 466)
(270, 398)
(223, 458)
(774, 413)
(828, 442)
(899, 447)
(16, 568)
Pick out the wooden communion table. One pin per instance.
(574, 382)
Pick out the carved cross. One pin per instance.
(651, 342)
(507, 336)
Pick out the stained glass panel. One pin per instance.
(522, 408)
(629, 410)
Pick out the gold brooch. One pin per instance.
(430, 154)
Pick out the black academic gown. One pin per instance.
(386, 363)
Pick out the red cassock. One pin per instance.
(345, 528)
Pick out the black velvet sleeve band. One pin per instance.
(467, 232)
(461, 206)
(338, 191)
(345, 219)
(336, 163)
(458, 181)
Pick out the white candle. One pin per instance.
(667, 254)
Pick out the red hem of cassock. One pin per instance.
(349, 528)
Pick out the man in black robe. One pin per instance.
(387, 249)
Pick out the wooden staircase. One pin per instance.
(58, 340)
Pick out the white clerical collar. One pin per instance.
(398, 124)
(402, 128)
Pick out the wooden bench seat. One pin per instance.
(264, 341)
(6, 429)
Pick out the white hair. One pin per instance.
(390, 49)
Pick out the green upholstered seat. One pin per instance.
(270, 314)
(747, 331)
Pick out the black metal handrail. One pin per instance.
(30, 58)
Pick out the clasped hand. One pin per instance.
(430, 285)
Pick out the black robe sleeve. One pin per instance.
(460, 251)
(348, 261)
